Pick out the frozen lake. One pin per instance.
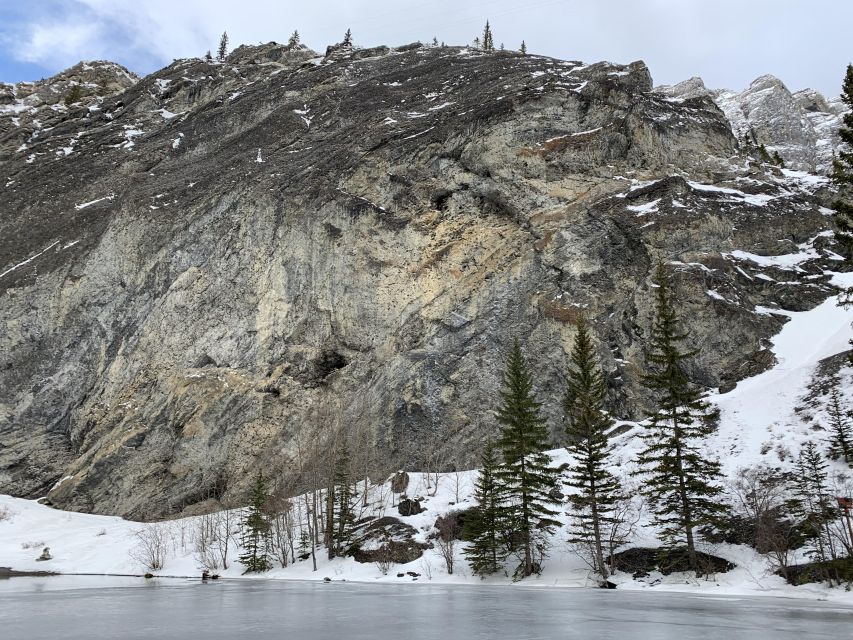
(101, 608)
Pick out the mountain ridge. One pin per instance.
(226, 264)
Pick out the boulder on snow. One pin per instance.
(409, 507)
(640, 561)
(451, 525)
(387, 539)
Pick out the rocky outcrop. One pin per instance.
(224, 264)
(802, 127)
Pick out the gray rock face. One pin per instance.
(236, 260)
(802, 127)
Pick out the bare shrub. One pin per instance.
(5, 514)
(448, 532)
(153, 544)
(426, 567)
(32, 545)
(206, 540)
(384, 557)
(759, 497)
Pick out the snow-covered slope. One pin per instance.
(763, 420)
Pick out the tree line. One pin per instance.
(486, 44)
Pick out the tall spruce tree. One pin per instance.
(842, 174)
(348, 37)
(484, 527)
(344, 512)
(813, 503)
(223, 47)
(294, 40)
(526, 475)
(523, 48)
(598, 490)
(488, 39)
(255, 529)
(681, 483)
(841, 431)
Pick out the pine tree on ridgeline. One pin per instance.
(681, 482)
(294, 40)
(841, 431)
(484, 526)
(523, 48)
(526, 475)
(598, 490)
(222, 53)
(255, 529)
(488, 39)
(348, 38)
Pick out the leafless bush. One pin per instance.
(153, 543)
(32, 545)
(426, 567)
(384, 557)
(447, 550)
(445, 541)
(5, 514)
(282, 533)
(759, 495)
(206, 540)
(626, 516)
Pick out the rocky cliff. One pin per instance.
(221, 264)
(802, 127)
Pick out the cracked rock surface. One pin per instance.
(194, 264)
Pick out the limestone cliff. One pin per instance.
(208, 269)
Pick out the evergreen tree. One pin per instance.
(294, 41)
(435, 41)
(812, 501)
(523, 48)
(74, 94)
(488, 40)
(502, 46)
(477, 42)
(777, 160)
(255, 530)
(526, 475)
(344, 515)
(223, 47)
(842, 175)
(208, 57)
(681, 484)
(841, 440)
(598, 490)
(763, 154)
(348, 38)
(484, 526)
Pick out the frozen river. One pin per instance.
(101, 608)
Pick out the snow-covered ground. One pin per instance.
(759, 423)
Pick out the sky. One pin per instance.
(728, 43)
